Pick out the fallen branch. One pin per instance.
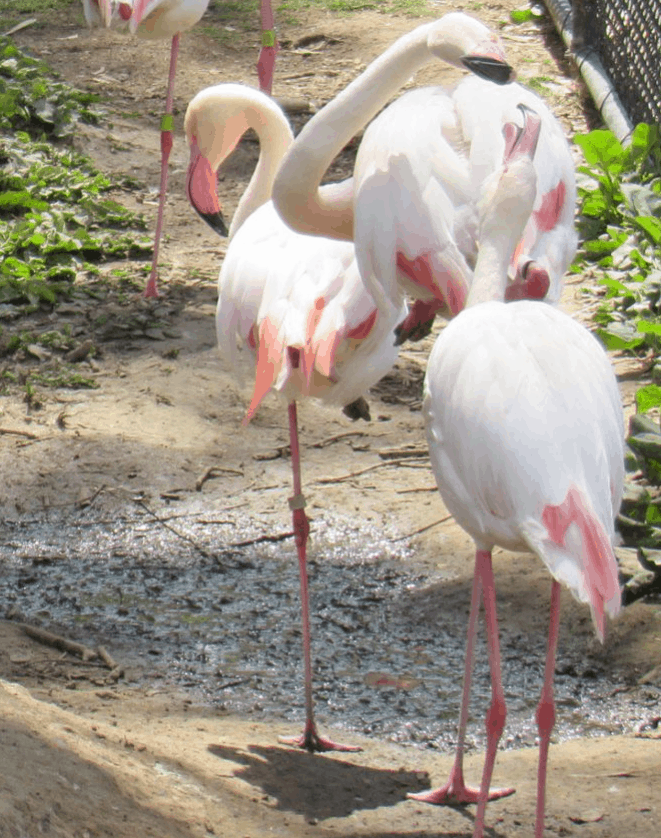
(401, 462)
(116, 671)
(403, 453)
(337, 438)
(23, 25)
(58, 642)
(214, 471)
(283, 536)
(27, 434)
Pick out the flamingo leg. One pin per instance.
(497, 712)
(546, 708)
(266, 60)
(455, 791)
(166, 148)
(310, 740)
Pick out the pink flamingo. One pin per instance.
(168, 19)
(296, 301)
(405, 233)
(548, 243)
(417, 176)
(525, 429)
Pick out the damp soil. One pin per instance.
(141, 517)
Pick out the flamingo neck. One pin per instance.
(275, 137)
(490, 275)
(296, 193)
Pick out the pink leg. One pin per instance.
(497, 711)
(266, 60)
(310, 740)
(455, 791)
(166, 148)
(546, 708)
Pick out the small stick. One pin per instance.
(331, 439)
(106, 657)
(27, 434)
(394, 453)
(341, 478)
(283, 536)
(57, 642)
(214, 471)
(423, 529)
(23, 25)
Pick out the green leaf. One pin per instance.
(613, 341)
(651, 226)
(522, 15)
(601, 148)
(648, 397)
(615, 288)
(653, 514)
(647, 327)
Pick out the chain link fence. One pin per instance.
(626, 36)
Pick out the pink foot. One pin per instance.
(456, 794)
(150, 287)
(311, 741)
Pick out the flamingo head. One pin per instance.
(531, 282)
(201, 183)
(467, 43)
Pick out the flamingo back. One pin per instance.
(523, 412)
(549, 237)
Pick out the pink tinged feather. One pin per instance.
(532, 283)
(362, 330)
(546, 217)
(125, 11)
(308, 355)
(201, 182)
(269, 359)
(599, 564)
(441, 284)
(137, 15)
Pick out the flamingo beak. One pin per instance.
(201, 183)
(488, 62)
(490, 69)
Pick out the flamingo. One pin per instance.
(548, 244)
(407, 225)
(418, 172)
(168, 19)
(524, 424)
(297, 301)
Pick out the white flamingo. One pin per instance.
(297, 301)
(525, 431)
(154, 19)
(418, 174)
(420, 252)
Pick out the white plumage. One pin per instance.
(296, 301)
(525, 431)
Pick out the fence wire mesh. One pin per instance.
(626, 35)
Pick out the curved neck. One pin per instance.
(296, 190)
(275, 137)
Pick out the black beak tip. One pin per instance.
(216, 221)
(490, 69)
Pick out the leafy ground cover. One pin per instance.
(620, 229)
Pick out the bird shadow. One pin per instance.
(318, 787)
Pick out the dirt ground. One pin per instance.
(114, 759)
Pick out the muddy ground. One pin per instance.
(156, 461)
